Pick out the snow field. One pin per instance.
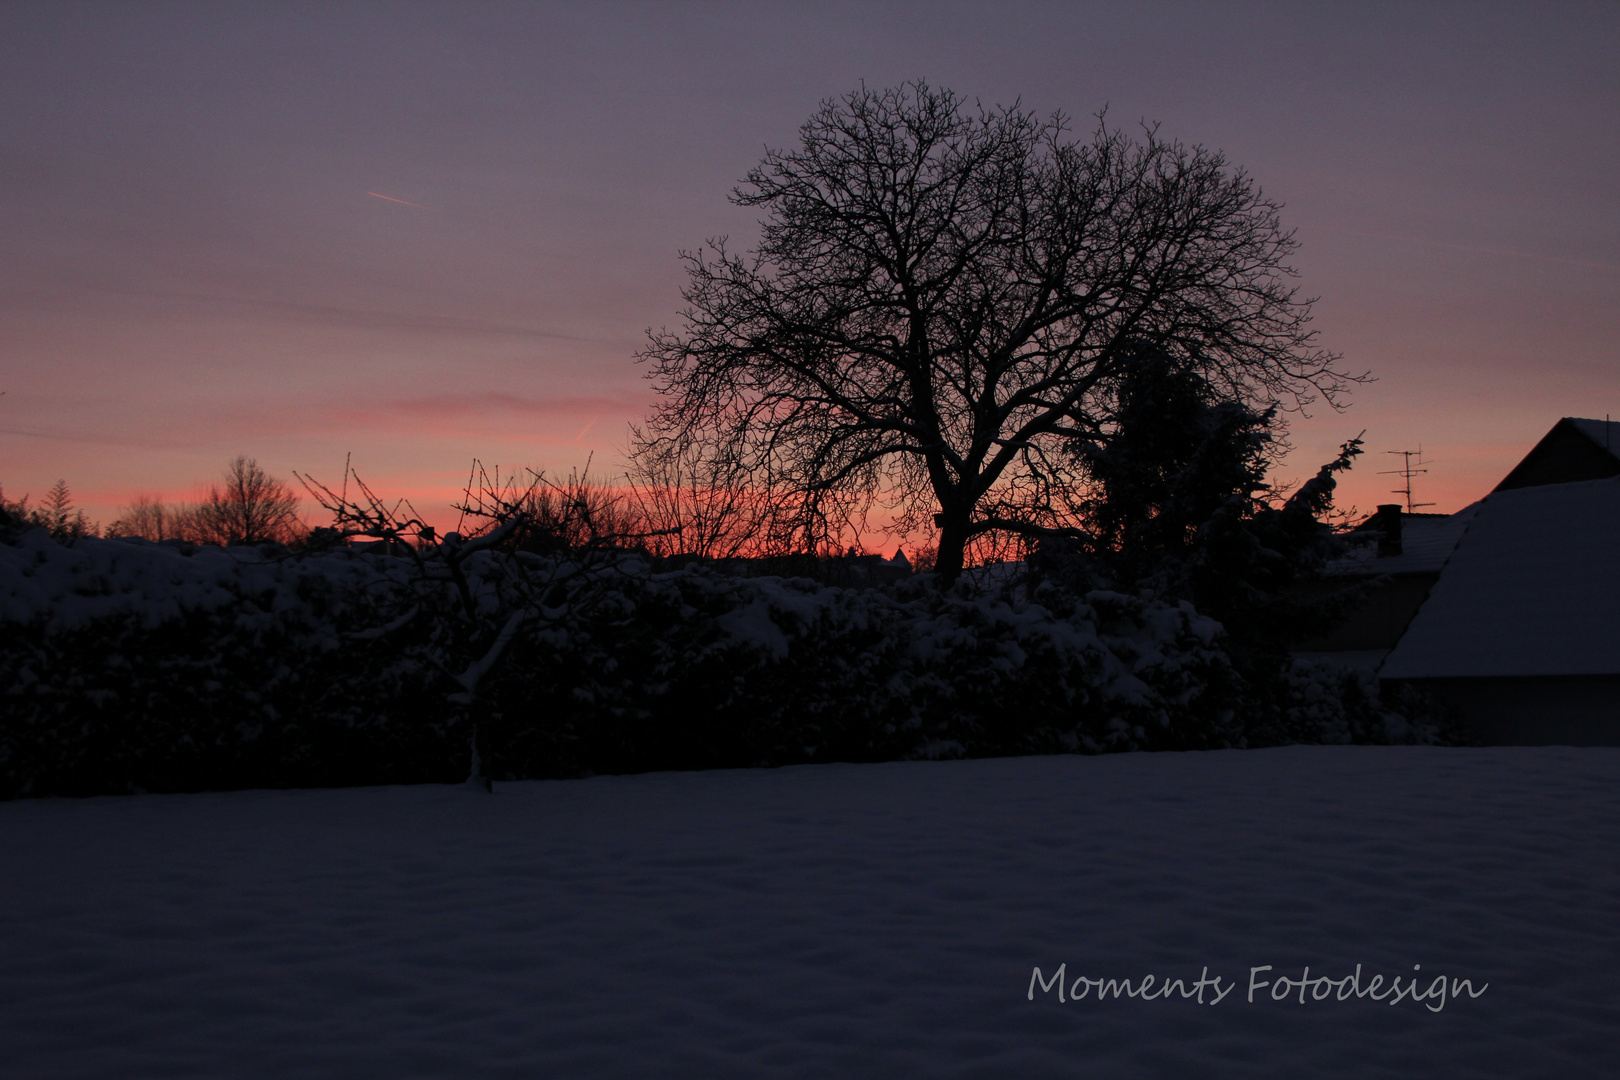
(837, 920)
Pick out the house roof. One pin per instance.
(1575, 449)
(1604, 433)
(1426, 542)
(1531, 588)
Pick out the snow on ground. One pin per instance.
(875, 920)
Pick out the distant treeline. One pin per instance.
(247, 506)
(661, 509)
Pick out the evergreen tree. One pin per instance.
(1177, 455)
(55, 514)
(1182, 507)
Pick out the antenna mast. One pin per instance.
(1406, 472)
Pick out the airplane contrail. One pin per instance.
(390, 198)
(588, 427)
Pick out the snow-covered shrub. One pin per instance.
(127, 665)
(694, 669)
(1325, 703)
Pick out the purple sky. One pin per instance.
(191, 266)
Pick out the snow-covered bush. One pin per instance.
(1326, 703)
(127, 665)
(693, 669)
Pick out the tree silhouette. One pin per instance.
(150, 518)
(1175, 456)
(943, 301)
(478, 590)
(251, 507)
(55, 514)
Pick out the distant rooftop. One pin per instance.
(1426, 541)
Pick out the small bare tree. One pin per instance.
(692, 503)
(578, 514)
(251, 507)
(526, 553)
(150, 518)
(943, 302)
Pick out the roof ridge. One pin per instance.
(1610, 441)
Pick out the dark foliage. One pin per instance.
(1181, 509)
(257, 693)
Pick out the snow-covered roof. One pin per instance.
(1426, 542)
(1605, 433)
(1531, 588)
(1574, 449)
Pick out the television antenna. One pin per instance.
(1406, 472)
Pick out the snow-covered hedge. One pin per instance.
(128, 666)
(691, 669)
(134, 666)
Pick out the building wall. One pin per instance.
(1535, 711)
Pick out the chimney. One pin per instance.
(1388, 524)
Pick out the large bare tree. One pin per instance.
(941, 305)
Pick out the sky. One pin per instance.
(420, 234)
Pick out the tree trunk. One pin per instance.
(952, 554)
(479, 775)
